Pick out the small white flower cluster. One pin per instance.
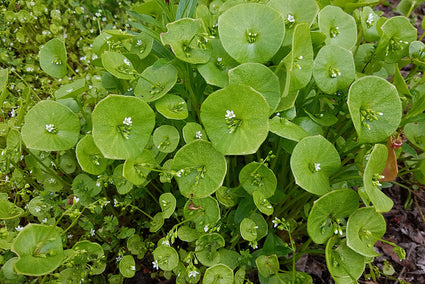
(50, 128)
(370, 19)
(198, 134)
(290, 18)
(193, 273)
(179, 173)
(317, 167)
(229, 114)
(126, 62)
(127, 121)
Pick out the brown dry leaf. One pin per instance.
(391, 170)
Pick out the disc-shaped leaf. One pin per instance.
(397, 34)
(188, 39)
(327, 213)
(193, 131)
(141, 45)
(206, 248)
(172, 107)
(203, 212)
(219, 273)
(166, 257)
(118, 65)
(8, 210)
(313, 160)
(260, 78)
(415, 133)
(262, 227)
(364, 227)
(39, 249)
(215, 71)
(89, 156)
(187, 234)
(89, 253)
(375, 108)
(127, 266)
(258, 177)
(294, 13)
(248, 229)
(339, 27)
(286, 129)
(50, 126)
(246, 36)
(167, 202)
(52, 58)
(85, 187)
(166, 138)
(229, 257)
(156, 223)
(226, 196)
(343, 262)
(368, 20)
(71, 90)
(123, 186)
(137, 169)
(267, 265)
(333, 68)
(372, 174)
(122, 126)
(236, 119)
(201, 169)
(155, 82)
(262, 203)
(299, 63)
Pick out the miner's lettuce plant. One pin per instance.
(211, 139)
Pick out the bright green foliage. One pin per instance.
(203, 141)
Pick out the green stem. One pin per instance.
(26, 84)
(411, 9)
(140, 210)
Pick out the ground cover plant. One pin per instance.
(204, 141)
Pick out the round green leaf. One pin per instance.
(39, 249)
(166, 138)
(261, 224)
(326, 215)
(200, 169)
(374, 167)
(127, 266)
(166, 257)
(215, 70)
(8, 210)
(339, 27)
(245, 34)
(187, 234)
(136, 246)
(167, 202)
(137, 169)
(260, 78)
(90, 253)
(50, 126)
(313, 160)
(236, 119)
(188, 39)
(203, 212)
(193, 131)
(226, 196)
(294, 13)
(85, 185)
(267, 265)
(155, 82)
(118, 65)
(157, 222)
(343, 262)
(248, 229)
(229, 257)
(333, 68)
(415, 133)
(219, 273)
(52, 58)
(286, 129)
(89, 156)
(206, 248)
(172, 107)
(258, 177)
(122, 126)
(141, 45)
(123, 186)
(71, 90)
(364, 227)
(368, 20)
(375, 108)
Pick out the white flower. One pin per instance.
(229, 114)
(51, 180)
(127, 121)
(115, 202)
(98, 184)
(139, 42)
(155, 264)
(50, 128)
(118, 258)
(19, 228)
(290, 18)
(37, 209)
(126, 62)
(370, 19)
(44, 220)
(198, 134)
(165, 243)
(206, 228)
(179, 173)
(275, 222)
(92, 232)
(193, 273)
(317, 167)
(133, 267)
(69, 236)
(76, 199)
